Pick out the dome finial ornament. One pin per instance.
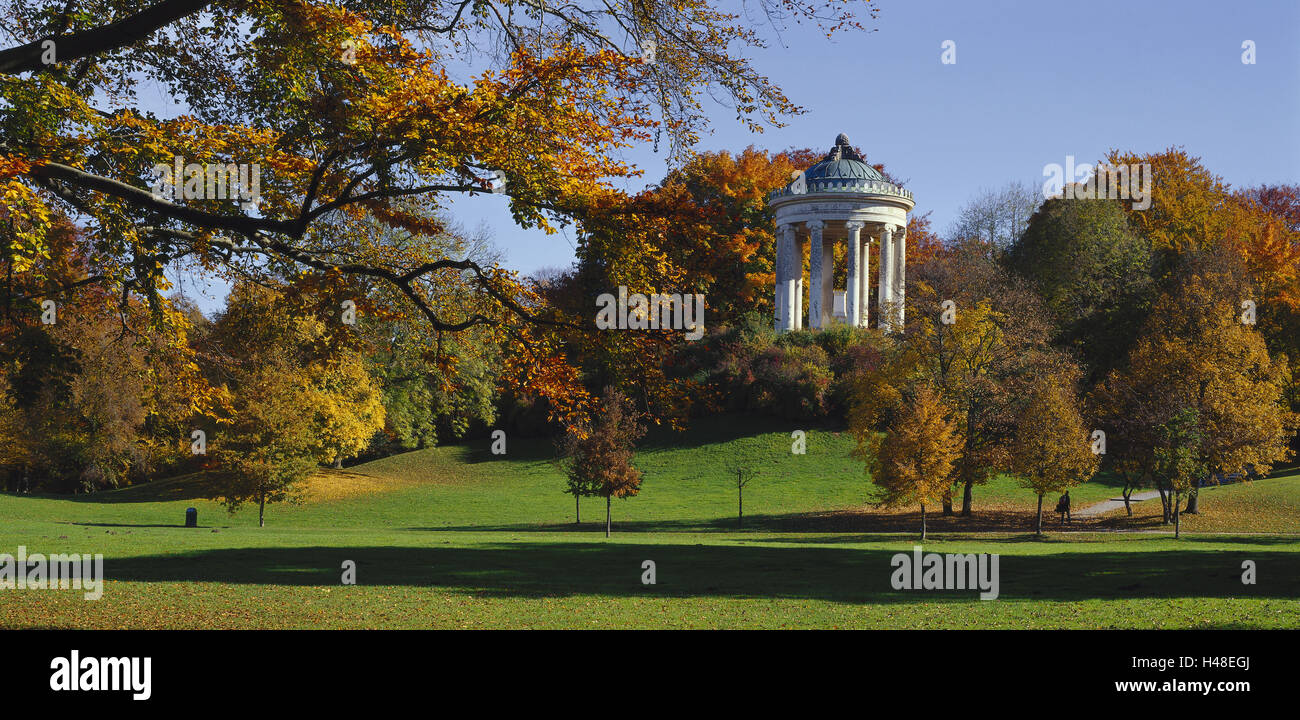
(843, 150)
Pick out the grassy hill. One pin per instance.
(457, 537)
(687, 487)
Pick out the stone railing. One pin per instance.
(844, 185)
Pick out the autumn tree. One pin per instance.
(1050, 452)
(15, 440)
(1270, 216)
(912, 460)
(303, 391)
(1179, 461)
(597, 456)
(347, 406)
(1189, 203)
(1194, 212)
(269, 447)
(1199, 388)
(104, 388)
(106, 398)
(978, 337)
(1131, 415)
(1282, 201)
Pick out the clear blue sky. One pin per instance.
(1033, 83)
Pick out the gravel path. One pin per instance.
(1114, 504)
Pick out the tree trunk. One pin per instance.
(740, 505)
(1177, 525)
(1039, 530)
(607, 520)
(966, 498)
(261, 509)
(1193, 506)
(338, 462)
(577, 510)
(922, 522)
(1128, 493)
(947, 504)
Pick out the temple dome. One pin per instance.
(843, 170)
(842, 162)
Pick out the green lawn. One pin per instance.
(457, 537)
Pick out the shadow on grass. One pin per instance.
(1242, 539)
(195, 486)
(829, 521)
(701, 433)
(730, 427)
(836, 574)
(133, 525)
(182, 487)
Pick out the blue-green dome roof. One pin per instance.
(842, 171)
(845, 165)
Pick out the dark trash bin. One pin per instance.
(191, 517)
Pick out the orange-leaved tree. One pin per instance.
(596, 455)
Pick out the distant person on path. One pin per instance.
(1063, 507)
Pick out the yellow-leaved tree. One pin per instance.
(302, 396)
(347, 405)
(912, 461)
(1051, 452)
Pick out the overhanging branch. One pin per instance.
(97, 41)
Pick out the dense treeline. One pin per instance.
(99, 392)
(1082, 319)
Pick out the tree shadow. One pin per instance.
(713, 431)
(836, 574)
(1242, 539)
(135, 525)
(730, 427)
(195, 486)
(826, 521)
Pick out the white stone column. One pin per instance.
(780, 318)
(797, 268)
(864, 282)
(900, 274)
(853, 288)
(885, 293)
(816, 275)
(828, 282)
(792, 280)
